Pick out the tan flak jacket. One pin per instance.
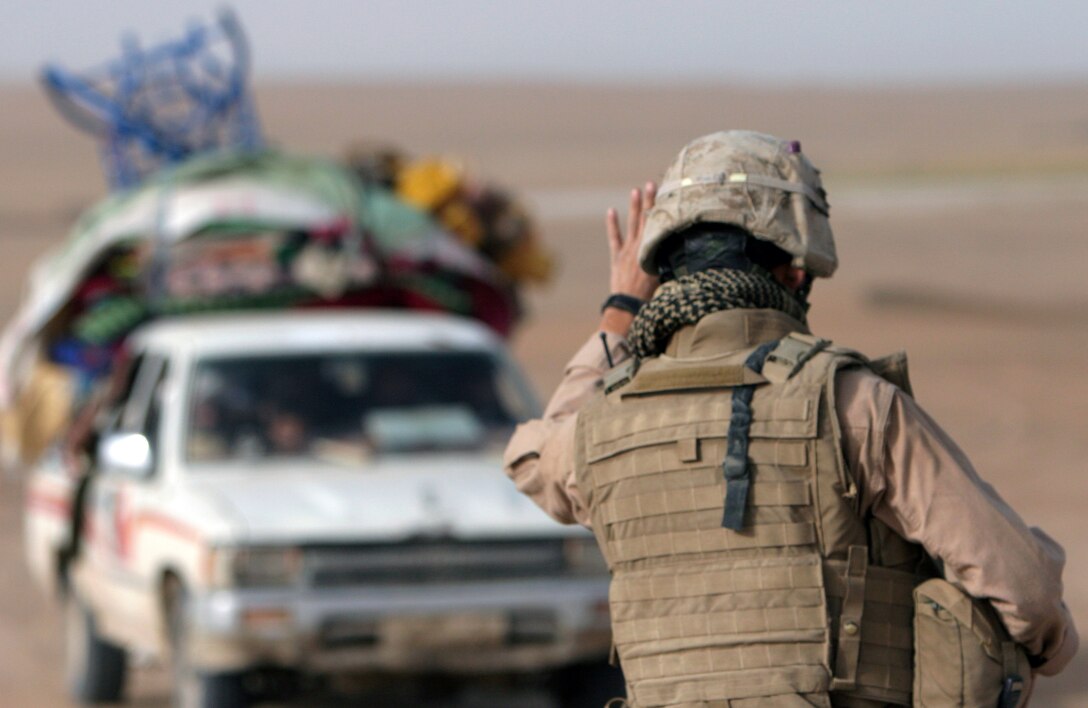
(910, 475)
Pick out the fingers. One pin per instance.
(639, 204)
(649, 196)
(612, 228)
(634, 213)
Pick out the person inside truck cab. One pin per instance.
(286, 433)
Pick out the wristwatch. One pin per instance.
(627, 303)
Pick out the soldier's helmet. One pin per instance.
(757, 182)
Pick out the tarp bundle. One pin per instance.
(203, 220)
(225, 231)
(484, 216)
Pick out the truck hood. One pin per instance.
(391, 499)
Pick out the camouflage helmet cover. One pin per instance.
(751, 180)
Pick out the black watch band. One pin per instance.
(627, 303)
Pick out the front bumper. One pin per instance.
(483, 627)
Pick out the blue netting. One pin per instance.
(159, 105)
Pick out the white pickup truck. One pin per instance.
(319, 492)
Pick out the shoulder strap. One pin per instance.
(791, 353)
(823, 361)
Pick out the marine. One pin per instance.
(784, 524)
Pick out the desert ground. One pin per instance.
(961, 216)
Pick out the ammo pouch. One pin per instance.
(963, 656)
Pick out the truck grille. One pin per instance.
(432, 562)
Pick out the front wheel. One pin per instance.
(94, 668)
(193, 688)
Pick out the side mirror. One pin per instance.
(126, 453)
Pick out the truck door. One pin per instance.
(117, 585)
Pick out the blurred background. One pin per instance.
(953, 139)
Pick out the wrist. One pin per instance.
(616, 321)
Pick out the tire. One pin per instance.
(94, 668)
(589, 685)
(205, 690)
(193, 688)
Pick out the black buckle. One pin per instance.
(1011, 689)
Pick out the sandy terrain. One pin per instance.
(960, 216)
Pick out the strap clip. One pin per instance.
(735, 465)
(621, 375)
(853, 607)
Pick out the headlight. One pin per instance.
(254, 566)
(583, 557)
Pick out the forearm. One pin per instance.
(540, 455)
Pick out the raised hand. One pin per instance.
(626, 275)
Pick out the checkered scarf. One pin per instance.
(686, 299)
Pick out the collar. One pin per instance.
(729, 331)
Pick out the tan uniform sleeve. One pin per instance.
(540, 455)
(916, 480)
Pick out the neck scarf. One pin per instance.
(688, 298)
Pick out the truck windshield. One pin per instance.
(344, 407)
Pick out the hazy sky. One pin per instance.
(841, 41)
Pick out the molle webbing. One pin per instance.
(665, 500)
(746, 616)
(704, 615)
(734, 629)
(735, 466)
(880, 664)
(698, 541)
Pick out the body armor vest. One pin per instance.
(798, 598)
